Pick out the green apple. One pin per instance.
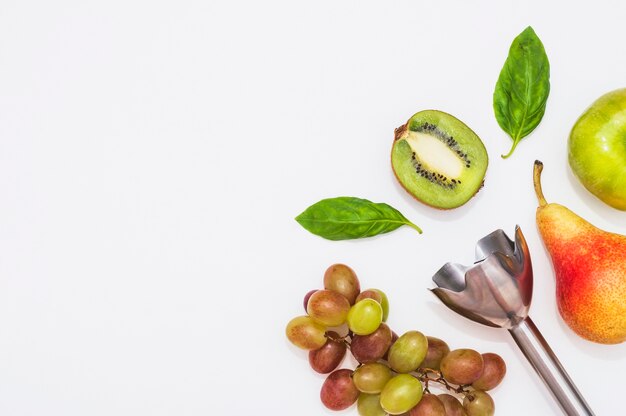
(597, 148)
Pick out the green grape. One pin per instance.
(305, 333)
(371, 377)
(430, 405)
(338, 391)
(493, 372)
(326, 359)
(401, 394)
(437, 349)
(452, 405)
(343, 280)
(407, 353)
(462, 366)
(384, 303)
(372, 347)
(379, 296)
(369, 405)
(328, 308)
(365, 317)
(478, 403)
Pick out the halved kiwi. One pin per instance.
(438, 159)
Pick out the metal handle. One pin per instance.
(544, 361)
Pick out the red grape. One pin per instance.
(372, 347)
(307, 297)
(343, 280)
(462, 366)
(430, 405)
(437, 349)
(452, 405)
(328, 308)
(326, 359)
(338, 391)
(493, 372)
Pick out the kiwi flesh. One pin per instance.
(438, 159)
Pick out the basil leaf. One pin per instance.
(519, 99)
(347, 218)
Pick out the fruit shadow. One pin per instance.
(432, 212)
(541, 390)
(598, 207)
(463, 325)
(602, 352)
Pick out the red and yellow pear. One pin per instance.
(590, 269)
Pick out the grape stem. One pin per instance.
(340, 339)
(423, 374)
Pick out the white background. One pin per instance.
(154, 154)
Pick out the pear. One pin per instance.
(590, 269)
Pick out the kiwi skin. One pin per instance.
(479, 154)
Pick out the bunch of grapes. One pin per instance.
(395, 373)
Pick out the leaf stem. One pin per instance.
(415, 227)
(515, 142)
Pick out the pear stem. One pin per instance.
(537, 182)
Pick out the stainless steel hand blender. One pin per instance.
(496, 291)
